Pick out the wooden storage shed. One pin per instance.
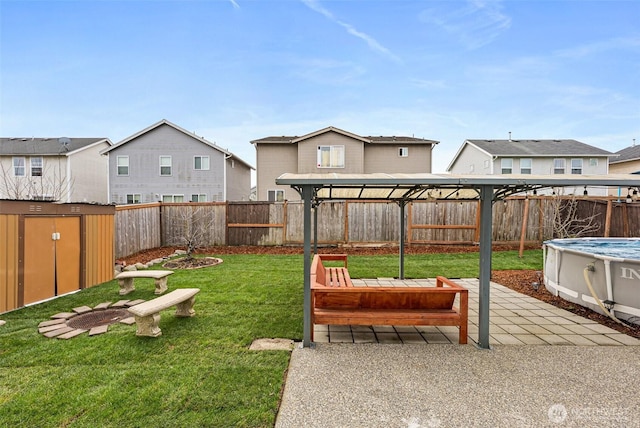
(49, 249)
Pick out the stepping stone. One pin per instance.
(52, 322)
(64, 315)
(73, 333)
(128, 321)
(120, 304)
(104, 305)
(51, 328)
(82, 309)
(2, 322)
(134, 302)
(58, 332)
(99, 330)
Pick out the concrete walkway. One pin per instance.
(421, 377)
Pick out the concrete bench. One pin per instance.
(125, 279)
(340, 303)
(147, 314)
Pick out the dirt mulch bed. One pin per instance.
(517, 280)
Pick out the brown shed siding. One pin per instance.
(85, 246)
(9, 262)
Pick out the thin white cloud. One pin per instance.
(235, 4)
(476, 24)
(601, 46)
(370, 41)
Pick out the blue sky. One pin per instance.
(233, 71)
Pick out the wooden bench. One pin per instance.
(147, 314)
(338, 302)
(125, 279)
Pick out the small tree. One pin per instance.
(196, 223)
(567, 221)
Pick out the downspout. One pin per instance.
(68, 181)
(224, 177)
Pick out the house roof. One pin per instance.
(538, 148)
(631, 153)
(28, 146)
(370, 139)
(184, 131)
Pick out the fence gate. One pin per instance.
(51, 257)
(248, 223)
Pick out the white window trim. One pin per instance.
(201, 162)
(578, 160)
(172, 196)
(530, 168)
(200, 197)
(133, 197)
(118, 166)
(23, 166)
(276, 193)
(332, 148)
(170, 166)
(33, 167)
(564, 166)
(503, 165)
(403, 152)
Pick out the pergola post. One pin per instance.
(307, 192)
(486, 220)
(402, 229)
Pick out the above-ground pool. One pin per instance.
(602, 274)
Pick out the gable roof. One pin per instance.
(538, 148)
(182, 130)
(18, 146)
(631, 153)
(369, 140)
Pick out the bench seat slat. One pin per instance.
(160, 303)
(387, 317)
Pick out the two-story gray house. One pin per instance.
(332, 150)
(537, 157)
(54, 169)
(169, 164)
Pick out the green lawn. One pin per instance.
(200, 371)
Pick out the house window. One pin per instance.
(123, 165)
(36, 167)
(558, 166)
(403, 152)
(19, 167)
(525, 166)
(165, 165)
(593, 162)
(576, 166)
(330, 156)
(133, 199)
(199, 197)
(201, 163)
(506, 165)
(172, 198)
(276, 195)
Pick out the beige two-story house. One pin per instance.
(333, 150)
(627, 162)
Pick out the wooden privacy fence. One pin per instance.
(516, 220)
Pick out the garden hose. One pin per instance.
(588, 268)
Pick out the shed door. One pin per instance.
(51, 257)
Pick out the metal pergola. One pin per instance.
(403, 188)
